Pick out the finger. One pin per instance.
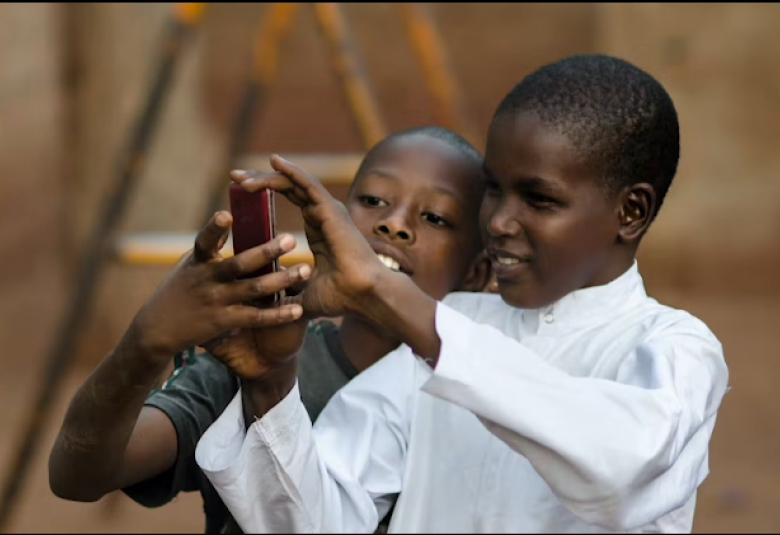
(302, 300)
(212, 237)
(252, 180)
(302, 179)
(266, 285)
(249, 317)
(255, 258)
(297, 287)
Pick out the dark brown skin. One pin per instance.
(417, 200)
(109, 440)
(104, 444)
(544, 206)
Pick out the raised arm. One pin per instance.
(618, 453)
(109, 440)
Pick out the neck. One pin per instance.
(614, 269)
(364, 343)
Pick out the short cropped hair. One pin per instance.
(619, 118)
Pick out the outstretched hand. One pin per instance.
(204, 297)
(346, 267)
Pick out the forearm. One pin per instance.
(86, 459)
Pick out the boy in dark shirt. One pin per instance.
(415, 198)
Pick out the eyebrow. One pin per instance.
(527, 182)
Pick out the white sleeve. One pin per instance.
(618, 454)
(282, 476)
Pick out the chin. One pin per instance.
(522, 295)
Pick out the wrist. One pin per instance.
(261, 394)
(366, 302)
(141, 347)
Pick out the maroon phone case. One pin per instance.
(254, 223)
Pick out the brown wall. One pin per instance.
(72, 76)
(31, 200)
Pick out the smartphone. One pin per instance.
(254, 223)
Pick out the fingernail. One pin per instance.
(220, 218)
(305, 271)
(238, 172)
(296, 311)
(287, 242)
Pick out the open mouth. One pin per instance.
(391, 257)
(389, 262)
(507, 265)
(505, 258)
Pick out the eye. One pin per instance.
(436, 220)
(537, 200)
(369, 200)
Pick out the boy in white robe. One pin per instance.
(572, 402)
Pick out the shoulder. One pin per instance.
(684, 343)
(664, 322)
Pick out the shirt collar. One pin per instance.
(588, 305)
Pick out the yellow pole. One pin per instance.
(273, 28)
(350, 68)
(189, 13)
(268, 41)
(437, 70)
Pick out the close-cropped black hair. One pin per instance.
(618, 117)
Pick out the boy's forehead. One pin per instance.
(425, 163)
(523, 146)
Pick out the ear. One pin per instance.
(478, 275)
(637, 208)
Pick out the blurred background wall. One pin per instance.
(72, 76)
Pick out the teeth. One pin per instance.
(507, 261)
(389, 262)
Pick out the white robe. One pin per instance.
(589, 416)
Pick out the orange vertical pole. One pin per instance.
(437, 70)
(274, 27)
(353, 74)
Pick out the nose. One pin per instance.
(503, 219)
(396, 227)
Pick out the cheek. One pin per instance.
(440, 266)
(364, 220)
(573, 242)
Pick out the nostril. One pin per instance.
(384, 229)
(403, 234)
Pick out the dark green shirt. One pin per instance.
(199, 390)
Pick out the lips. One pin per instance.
(506, 264)
(392, 257)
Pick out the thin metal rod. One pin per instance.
(98, 249)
